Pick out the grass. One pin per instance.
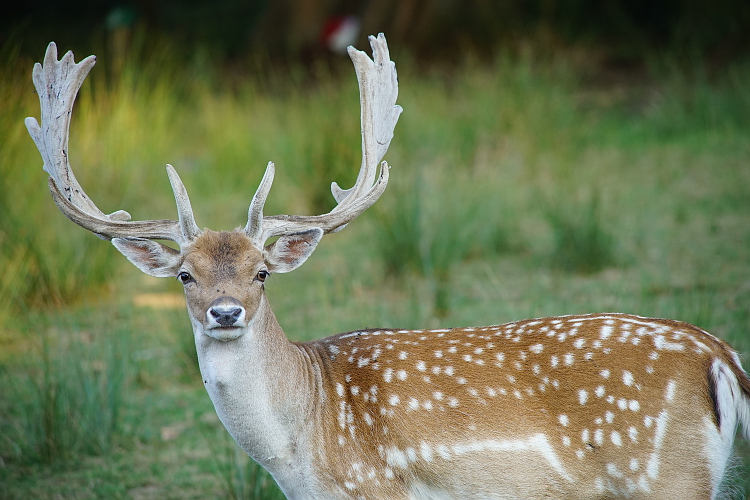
(582, 243)
(520, 188)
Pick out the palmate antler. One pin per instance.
(58, 82)
(378, 90)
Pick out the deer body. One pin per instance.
(574, 407)
(593, 406)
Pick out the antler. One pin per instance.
(378, 89)
(57, 83)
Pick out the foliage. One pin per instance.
(582, 243)
(66, 408)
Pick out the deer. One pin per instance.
(593, 406)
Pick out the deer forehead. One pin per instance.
(224, 255)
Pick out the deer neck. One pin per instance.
(263, 388)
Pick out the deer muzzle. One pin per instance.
(225, 312)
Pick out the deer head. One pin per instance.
(223, 272)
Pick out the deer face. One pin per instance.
(223, 276)
(222, 273)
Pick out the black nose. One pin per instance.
(226, 318)
(226, 312)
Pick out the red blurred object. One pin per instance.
(340, 32)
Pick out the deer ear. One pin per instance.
(149, 256)
(290, 251)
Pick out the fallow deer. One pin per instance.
(575, 407)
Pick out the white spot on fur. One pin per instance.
(583, 396)
(663, 344)
(633, 434)
(616, 438)
(599, 437)
(425, 451)
(396, 458)
(613, 471)
(443, 451)
(669, 393)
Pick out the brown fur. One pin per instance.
(222, 263)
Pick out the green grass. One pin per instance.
(520, 188)
(582, 242)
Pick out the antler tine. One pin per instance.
(378, 90)
(188, 228)
(254, 227)
(57, 83)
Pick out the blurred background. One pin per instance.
(552, 158)
(625, 29)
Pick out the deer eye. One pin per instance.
(185, 277)
(262, 275)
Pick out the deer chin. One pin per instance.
(226, 333)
